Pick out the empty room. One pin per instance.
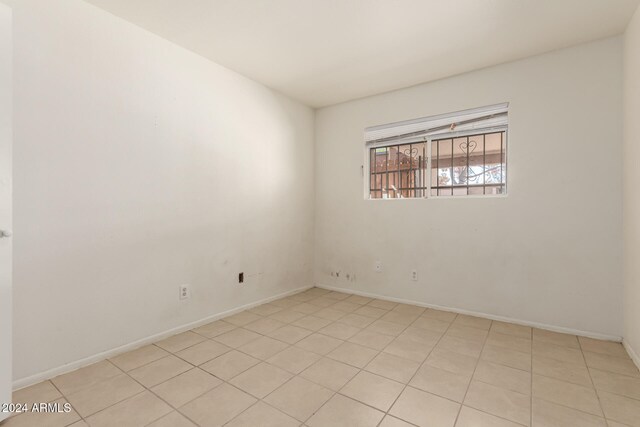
(358, 213)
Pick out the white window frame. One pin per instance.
(366, 168)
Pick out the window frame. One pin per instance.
(366, 168)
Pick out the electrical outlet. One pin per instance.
(414, 275)
(241, 278)
(185, 291)
(378, 266)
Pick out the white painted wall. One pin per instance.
(6, 103)
(550, 252)
(631, 201)
(140, 166)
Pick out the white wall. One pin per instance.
(550, 252)
(140, 166)
(6, 55)
(631, 191)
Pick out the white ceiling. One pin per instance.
(323, 52)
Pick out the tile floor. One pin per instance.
(321, 358)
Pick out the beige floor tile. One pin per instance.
(159, 371)
(421, 335)
(237, 337)
(561, 353)
(511, 329)
(373, 390)
(318, 343)
(290, 334)
(242, 318)
(185, 387)
(299, 398)
(229, 364)
(341, 411)
(556, 338)
(371, 339)
(179, 342)
(474, 322)
(440, 382)
(604, 347)
(576, 373)
(264, 325)
(337, 295)
(403, 319)
(81, 423)
(393, 367)
(425, 409)
(566, 394)
(604, 362)
(86, 377)
(203, 352)
(104, 394)
(44, 419)
(138, 357)
(616, 424)
(136, 411)
(263, 415)
(265, 309)
(294, 359)
(287, 316)
(353, 354)
(37, 393)
(347, 307)
(413, 310)
(302, 297)
(385, 305)
(373, 312)
(323, 302)
(431, 324)
(409, 349)
(467, 333)
(285, 302)
(217, 406)
(459, 345)
(311, 323)
(306, 308)
(390, 421)
(470, 417)
(511, 342)
(498, 401)
(447, 316)
(357, 320)
(340, 331)
(261, 379)
(503, 376)
(452, 362)
(214, 329)
(173, 419)
(357, 299)
(620, 408)
(329, 373)
(507, 357)
(263, 348)
(615, 383)
(330, 314)
(548, 414)
(386, 328)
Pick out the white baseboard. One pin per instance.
(50, 373)
(553, 328)
(634, 356)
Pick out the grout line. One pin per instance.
(484, 342)
(591, 379)
(531, 383)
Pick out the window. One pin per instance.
(459, 154)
